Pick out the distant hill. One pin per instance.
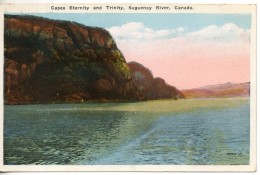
(219, 90)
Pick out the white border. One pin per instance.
(137, 1)
(137, 167)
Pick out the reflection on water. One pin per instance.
(44, 134)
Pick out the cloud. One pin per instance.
(136, 31)
(226, 33)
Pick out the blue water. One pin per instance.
(44, 134)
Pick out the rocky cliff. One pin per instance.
(150, 87)
(58, 61)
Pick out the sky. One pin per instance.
(187, 50)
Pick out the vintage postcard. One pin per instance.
(128, 87)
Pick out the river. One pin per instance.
(162, 132)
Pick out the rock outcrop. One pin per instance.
(150, 87)
(50, 61)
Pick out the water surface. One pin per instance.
(183, 132)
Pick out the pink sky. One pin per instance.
(210, 56)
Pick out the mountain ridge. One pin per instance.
(223, 90)
(54, 61)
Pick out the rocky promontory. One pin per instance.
(150, 87)
(52, 61)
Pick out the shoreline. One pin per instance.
(104, 101)
(152, 106)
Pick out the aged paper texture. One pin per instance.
(128, 87)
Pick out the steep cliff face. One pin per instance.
(47, 60)
(150, 87)
(58, 61)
